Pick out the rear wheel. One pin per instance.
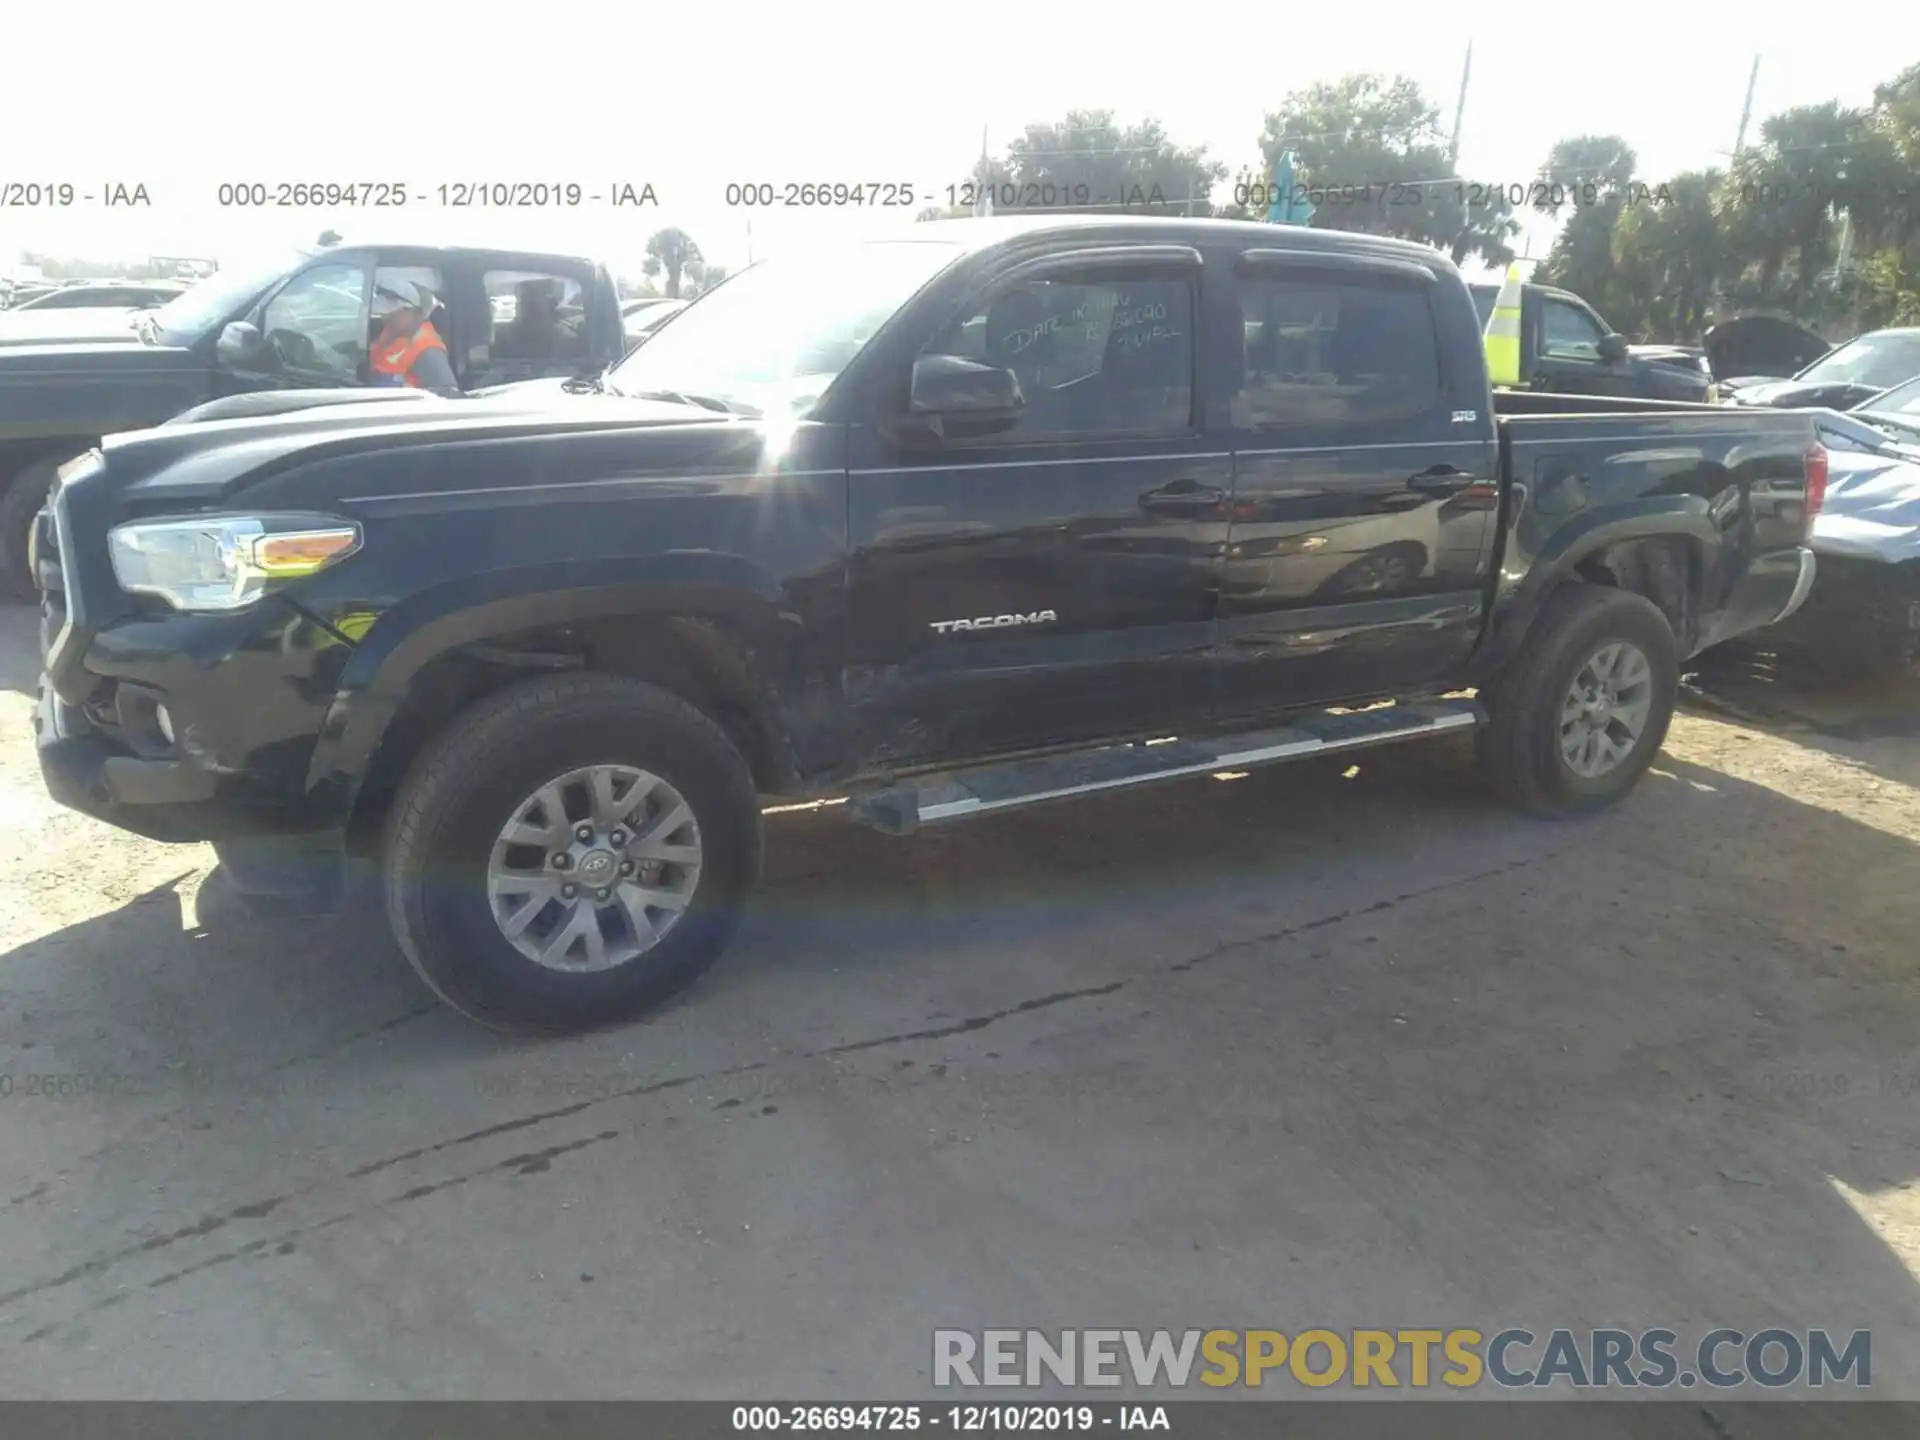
(571, 853)
(1580, 714)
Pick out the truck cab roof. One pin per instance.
(981, 232)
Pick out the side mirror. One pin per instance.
(1613, 348)
(945, 387)
(238, 343)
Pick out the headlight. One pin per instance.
(224, 562)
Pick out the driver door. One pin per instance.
(313, 333)
(1566, 351)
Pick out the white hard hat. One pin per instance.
(395, 293)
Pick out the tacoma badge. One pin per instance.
(995, 622)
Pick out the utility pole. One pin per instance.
(982, 201)
(1746, 109)
(1460, 110)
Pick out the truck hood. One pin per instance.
(94, 389)
(96, 324)
(517, 396)
(209, 460)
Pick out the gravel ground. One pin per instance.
(1310, 1048)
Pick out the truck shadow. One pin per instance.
(1659, 1064)
(1799, 694)
(19, 647)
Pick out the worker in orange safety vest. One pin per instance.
(408, 350)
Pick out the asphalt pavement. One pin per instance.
(1335, 1044)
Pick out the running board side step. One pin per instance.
(957, 795)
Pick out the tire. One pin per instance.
(19, 506)
(466, 786)
(1520, 749)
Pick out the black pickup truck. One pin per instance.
(962, 530)
(296, 320)
(1567, 349)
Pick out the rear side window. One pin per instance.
(1319, 351)
(537, 316)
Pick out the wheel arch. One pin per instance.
(734, 653)
(1660, 550)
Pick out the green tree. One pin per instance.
(1669, 261)
(1789, 192)
(1088, 161)
(709, 276)
(673, 254)
(1585, 181)
(1819, 218)
(1374, 157)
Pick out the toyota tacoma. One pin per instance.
(1014, 510)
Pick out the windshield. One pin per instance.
(777, 334)
(1876, 361)
(218, 296)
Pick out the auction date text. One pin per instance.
(65, 194)
(449, 194)
(1014, 1418)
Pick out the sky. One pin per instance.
(836, 91)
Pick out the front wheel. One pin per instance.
(571, 853)
(1580, 714)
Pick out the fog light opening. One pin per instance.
(165, 723)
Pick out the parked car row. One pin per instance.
(1567, 348)
(92, 294)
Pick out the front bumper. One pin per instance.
(179, 727)
(161, 799)
(1860, 601)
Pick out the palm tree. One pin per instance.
(673, 252)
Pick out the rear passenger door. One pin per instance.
(1364, 484)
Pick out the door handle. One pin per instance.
(1440, 480)
(1182, 498)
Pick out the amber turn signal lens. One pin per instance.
(302, 552)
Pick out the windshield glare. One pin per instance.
(1877, 361)
(215, 298)
(776, 334)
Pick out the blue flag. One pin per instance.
(1289, 206)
